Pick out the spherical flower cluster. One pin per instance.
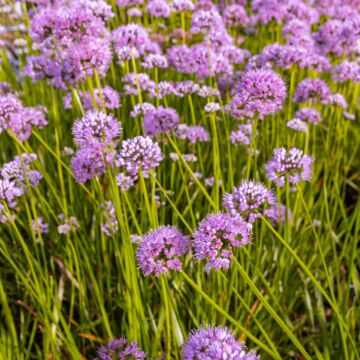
(182, 5)
(141, 81)
(125, 3)
(235, 15)
(159, 8)
(121, 349)
(96, 127)
(18, 171)
(139, 153)
(215, 238)
(266, 11)
(251, 199)
(204, 20)
(8, 192)
(161, 249)
(142, 109)
(161, 120)
(39, 226)
(152, 61)
(111, 225)
(212, 107)
(67, 224)
(73, 42)
(130, 40)
(193, 133)
(347, 70)
(242, 136)
(337, 100)
(297, 125)
(293, 165)
(259, 92)
(312, 90)
(19, 119)
(309, 115)
(90, 161)
(215, 343)
(337, 37)
(94, 134)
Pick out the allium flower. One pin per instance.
(96, 127)
(348, 116)
(234, 54)
(215, 237)
(8, 191)
(178, 56)
(295, 29)
(142, 109)
(212, 107)
(124, 3)
(130, 40)
(186, 157)
(121, 349)
(9, 104)
(136, 81)
(18, 171)
(39, 226)
(134, 13)
(205, 20)
(210, 181)
(215, 343)
(235, 15)
(152, 61)
(292, 164)
(161, 120)
(88, 162)
(260, 92)
(20, 120)
(193, 133)
(268, 10)
(73, 41)
(242, 136)
(347, 70)
(161, 249)
(309, 114)
(251, 199)
(139, 153)
(125, 182)
(297, 125)
(312, 90)
(111, 225)
(67, 224)
(159, 8)
(337, 100)
(182, 5)
(187, 87)
(207, 91)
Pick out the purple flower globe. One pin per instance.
(259, 93)
(161, 249)
(96, 127)
(215, 238)
(292, 164)
(215, 344)
(251, 199)
(121, 349)
(139, 153)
